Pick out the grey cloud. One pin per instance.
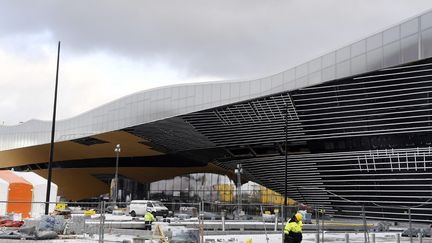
(232, 39)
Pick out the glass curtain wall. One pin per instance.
(211, 188)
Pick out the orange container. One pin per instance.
(20, 191)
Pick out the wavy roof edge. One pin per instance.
(365, 55)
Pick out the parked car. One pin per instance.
(139, 208)
(425, 232)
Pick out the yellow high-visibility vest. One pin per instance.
(295, 227)
(149, 217)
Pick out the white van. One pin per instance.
(139, 208)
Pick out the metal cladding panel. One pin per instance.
(364, 140)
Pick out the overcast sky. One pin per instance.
(114, 48)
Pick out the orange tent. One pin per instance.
(20, 191)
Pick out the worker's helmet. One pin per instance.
(299, 217)
(149, 210)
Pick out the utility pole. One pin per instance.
(51, 156)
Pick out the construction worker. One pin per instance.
(148, 219)
(293, 229)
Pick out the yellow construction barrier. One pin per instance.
(89, 213)
(60, 206)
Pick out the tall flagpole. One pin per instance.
(51, 156)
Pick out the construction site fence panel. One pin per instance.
(110, 221)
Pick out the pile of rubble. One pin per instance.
(47, 227)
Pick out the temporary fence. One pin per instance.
(110, 221)
(357, 223)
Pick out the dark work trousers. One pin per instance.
(289, 239)
(147, 225)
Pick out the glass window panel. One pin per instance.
(392, 54)
(374, 59)
(427, 43)
(207, 195)
(192, 194)
(358, 64)
(301, 71)
(185, 183)
(329, 60)
(193, 183)
(358, 48)
(374, 42)
(343, 54)
(426, 21)
(207, 181)
(162, 185)
(314, 65)
(410, 49)
(409, 28)
(343, 69)
(216, 180)
(200, 181)
(169, 185)
(200, 195)
(177, 183)
(390, 35)
(329, 73)
(154, 186)
(168, 192)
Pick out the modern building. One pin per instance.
(358, 121)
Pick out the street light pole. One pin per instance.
(239, 171)
(51, 155)
(117, 150)
(286, 164)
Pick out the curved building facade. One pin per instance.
(358, 124)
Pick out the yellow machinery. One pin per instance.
(268, 196)
(226, 192)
